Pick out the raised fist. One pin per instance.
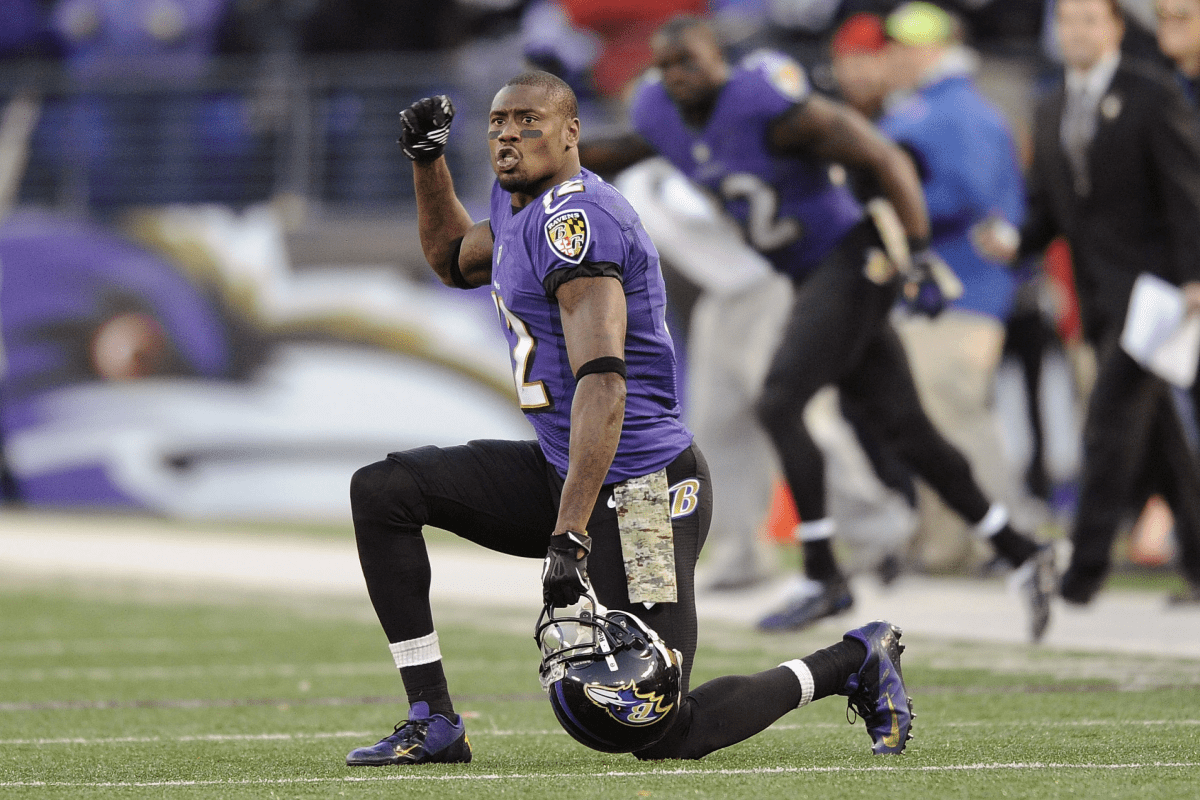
(425, 127)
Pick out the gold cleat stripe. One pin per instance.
(893, 738)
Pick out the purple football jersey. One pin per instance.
(584, 227)
(788, 208)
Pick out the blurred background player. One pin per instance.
(757, 137)
(733, 328)
(915, 70)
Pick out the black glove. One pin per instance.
(922, 293)
(426, 127)
(564, 572)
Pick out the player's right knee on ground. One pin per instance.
(386, 492)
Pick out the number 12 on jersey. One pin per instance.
(530, 395)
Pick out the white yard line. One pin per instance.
(481, 732)
(641, 774)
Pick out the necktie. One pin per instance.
(1078, 128)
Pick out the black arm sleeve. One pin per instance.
(455, 273)
(588, 269)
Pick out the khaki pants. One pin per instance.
(954, 360)
(731, 340)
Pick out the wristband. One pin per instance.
(570, 541)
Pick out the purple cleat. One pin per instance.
(877, 692)
(423, 738)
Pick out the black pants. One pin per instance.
(504, 496)
(839, 334)
(1133, 446)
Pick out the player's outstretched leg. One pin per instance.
(423, 738)
(877, 692)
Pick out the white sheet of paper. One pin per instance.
(1158, 334)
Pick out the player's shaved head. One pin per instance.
(689, 58)
(680, 25)
(558, 92)
(533, 135)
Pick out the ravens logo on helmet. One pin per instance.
(613, 683)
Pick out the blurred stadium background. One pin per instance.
(214, 309)
(214, 303)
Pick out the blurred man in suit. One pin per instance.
(1178, 35)
(1116, 169)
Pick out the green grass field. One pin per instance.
(126, 692)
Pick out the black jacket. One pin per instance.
(1143, 210)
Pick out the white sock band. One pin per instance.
(416, 651)
(815, 531)
(807, 685)
(993, 521)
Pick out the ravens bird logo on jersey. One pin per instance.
(569, 234)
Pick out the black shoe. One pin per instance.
(889, 569)
(1081, 582)
(815, 600)
(1037, 580)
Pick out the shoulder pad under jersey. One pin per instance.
(783, 73)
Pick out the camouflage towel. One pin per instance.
(644, 520)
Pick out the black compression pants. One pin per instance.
(838, 334)
(504, 495)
